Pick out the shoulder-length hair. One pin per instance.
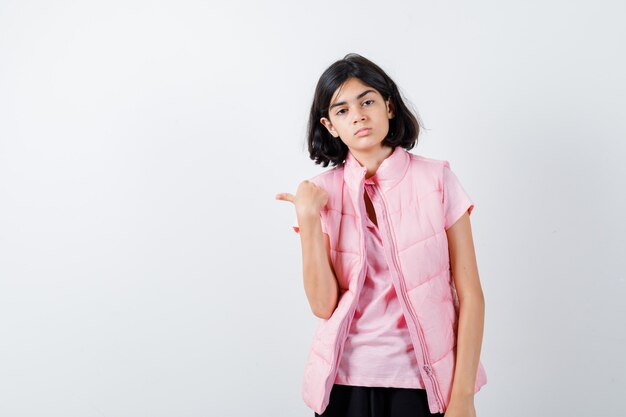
(404, 128)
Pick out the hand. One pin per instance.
(460, 408)
(309, 199)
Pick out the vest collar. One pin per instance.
(388, 174)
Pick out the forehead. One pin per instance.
(350, 89)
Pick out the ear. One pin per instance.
(390, 108)
(329, 126)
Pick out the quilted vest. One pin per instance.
(408, 196)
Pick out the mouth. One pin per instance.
(362, 132)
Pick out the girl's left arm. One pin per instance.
(471, 309)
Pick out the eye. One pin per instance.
(368, 101)
(339, 113)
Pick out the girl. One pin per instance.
(388, 259)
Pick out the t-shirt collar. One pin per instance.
(388, 174)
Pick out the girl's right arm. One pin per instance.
(320, 282)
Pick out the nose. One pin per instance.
(358, 116)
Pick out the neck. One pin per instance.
(372, 159)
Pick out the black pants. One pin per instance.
(353, 401)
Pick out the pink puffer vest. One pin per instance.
(408, 196)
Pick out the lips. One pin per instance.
(362, 132)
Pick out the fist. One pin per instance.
(310, 198)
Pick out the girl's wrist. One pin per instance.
(307, 214)
(464, 397)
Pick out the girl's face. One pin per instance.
(359, 116)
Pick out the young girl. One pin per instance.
(388, 259)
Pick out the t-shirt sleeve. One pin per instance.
(296, 228)
(455, 200)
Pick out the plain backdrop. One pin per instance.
(146, 268)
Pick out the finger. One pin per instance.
(285, 197)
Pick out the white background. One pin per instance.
(146, 268)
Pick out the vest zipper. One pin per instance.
(412, 314)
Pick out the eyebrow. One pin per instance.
(341, 103)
